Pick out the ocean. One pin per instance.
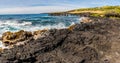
(32, 22)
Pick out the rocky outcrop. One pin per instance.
(93, 42)
(85, 20)
(9, 38)
(39, 33)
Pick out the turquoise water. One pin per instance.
(32, 22)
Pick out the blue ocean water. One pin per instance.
(32, 22)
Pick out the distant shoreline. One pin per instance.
(104, 11)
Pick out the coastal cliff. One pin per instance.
(104, 11)
(96, 41)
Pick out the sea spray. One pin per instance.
(14, 26)
(31, 23)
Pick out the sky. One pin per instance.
(45, 6)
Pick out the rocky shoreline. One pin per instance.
(94, 41)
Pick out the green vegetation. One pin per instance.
(105, 11)
(104, 8)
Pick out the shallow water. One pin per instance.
(32, 22)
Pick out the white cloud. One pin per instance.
(36, 9)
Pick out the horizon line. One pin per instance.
(44, 12)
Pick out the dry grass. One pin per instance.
(99, 12)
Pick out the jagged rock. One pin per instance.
(38, 33)
(9, 38)
(93, 42)
(85, 20)
(71, 27)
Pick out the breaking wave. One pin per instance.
(15, 25)
(32, 22)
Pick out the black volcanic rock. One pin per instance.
(94, 42)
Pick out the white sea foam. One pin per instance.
(14, 25)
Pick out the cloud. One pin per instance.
(34, 9)
(44, 6)
(28, 7)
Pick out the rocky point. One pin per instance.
(95, 41)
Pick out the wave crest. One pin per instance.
(15, 25)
